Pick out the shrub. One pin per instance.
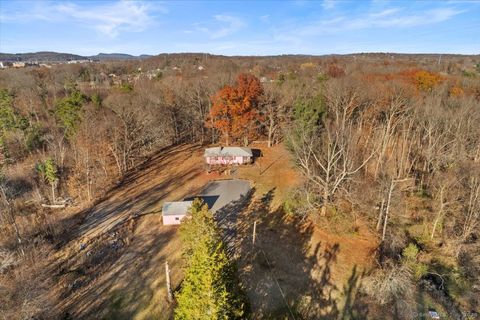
(388, 284)
(410, 260)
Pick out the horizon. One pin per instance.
(246, 56)
(312, 28)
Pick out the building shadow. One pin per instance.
(208, 200)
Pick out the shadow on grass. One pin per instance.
(284, 277)
(97, 276)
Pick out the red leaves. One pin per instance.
(335, 71)
(234, 109)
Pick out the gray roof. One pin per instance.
(212, 152)
(176, 208)
(228, 151)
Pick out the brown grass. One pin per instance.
(119, 272)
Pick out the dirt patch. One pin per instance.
(296, 269)
(273, 169)
(112, 265)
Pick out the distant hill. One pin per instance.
(47, 56)
(117, 56)
(44, 56)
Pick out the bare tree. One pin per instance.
(471, 216)
(331, 154)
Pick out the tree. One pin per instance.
(235, 108)
(68, 112)
(48, 171)
(326, 148)
(7, 113)
(426, 81)
(7, 214)
(206, 291)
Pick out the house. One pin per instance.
(174, 212)
(228, 155)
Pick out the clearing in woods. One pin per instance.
(112, 265)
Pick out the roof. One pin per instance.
(176, 208)
(212, 151)
(228, 151)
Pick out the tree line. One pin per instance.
(372, 135)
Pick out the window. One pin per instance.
(177, 218)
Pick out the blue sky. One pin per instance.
(240, 27)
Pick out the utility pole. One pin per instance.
(167, 276)
(254, 232)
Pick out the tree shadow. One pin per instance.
(208, 200)
(284, 276)
(104, 269)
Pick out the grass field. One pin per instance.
(292, 263)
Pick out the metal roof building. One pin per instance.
(174, 212)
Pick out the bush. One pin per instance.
(389, 283)
(410, 260)
(126, 87)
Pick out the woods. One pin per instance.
(387, 144)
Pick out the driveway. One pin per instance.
(226, 199)
(218, 194)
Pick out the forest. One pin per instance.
(385, 142)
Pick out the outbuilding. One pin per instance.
(228, 155)
(174, 212)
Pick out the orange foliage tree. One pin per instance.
(426, 81)
(235, 108)
(456, 91)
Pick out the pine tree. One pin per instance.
(68, 112)
(206, 291)
(48, 171)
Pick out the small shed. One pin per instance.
(228, 155)
(174, 212)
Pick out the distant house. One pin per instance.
(5, 64)
(174, 212)
(228, 155)
(19, 64)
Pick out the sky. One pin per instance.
(240, 27)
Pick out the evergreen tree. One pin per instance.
(207, 290)
(7, 113)
(68, 112)
(48, 171)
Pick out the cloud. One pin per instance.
(329, 4)
(126, 16)
(225, 25)
(265, 18)
(388, 18)
(108, 19)
(231, 25)
(384, 13)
